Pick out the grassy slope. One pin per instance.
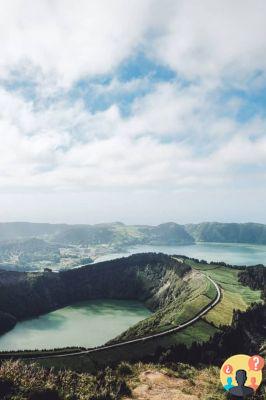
(194, 295)
(234, 294)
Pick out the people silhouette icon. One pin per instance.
(229, 384)
(253, 383)
(241, 390)
(241, 376)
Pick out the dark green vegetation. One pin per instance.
(155, 279)
(7, 322)
(235, 296)
(228, 233)
(174, 288)
(254, 277)
(30, 382)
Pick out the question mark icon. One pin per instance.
(228, 369)
(256, 362)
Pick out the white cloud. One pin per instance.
(211, 39)
(70, 39)
(67, 40)
(176, 138)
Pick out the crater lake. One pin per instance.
(84, 324)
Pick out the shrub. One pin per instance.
(124, 369)
(6, 387)
(123, 389)
(46, 394)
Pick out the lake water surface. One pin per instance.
(231, 253)
(86, 324)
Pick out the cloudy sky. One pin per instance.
(141, 111)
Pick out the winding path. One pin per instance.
(178, 328)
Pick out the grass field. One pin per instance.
(235, 296)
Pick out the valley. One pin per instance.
(175, 289)
(154, 279)
(36, 247)
(185, 322)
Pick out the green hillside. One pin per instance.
(228, 232)
(120, 234)
(235, 296)
(191, 298)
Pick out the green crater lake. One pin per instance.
(86, 324)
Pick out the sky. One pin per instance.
(140, 111)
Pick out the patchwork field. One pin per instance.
(235, 296)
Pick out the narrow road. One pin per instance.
(178, 328)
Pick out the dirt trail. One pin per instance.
(155, 385)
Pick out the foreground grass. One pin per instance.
(19, 381)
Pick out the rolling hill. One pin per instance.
(117, 233)
(228, 233)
